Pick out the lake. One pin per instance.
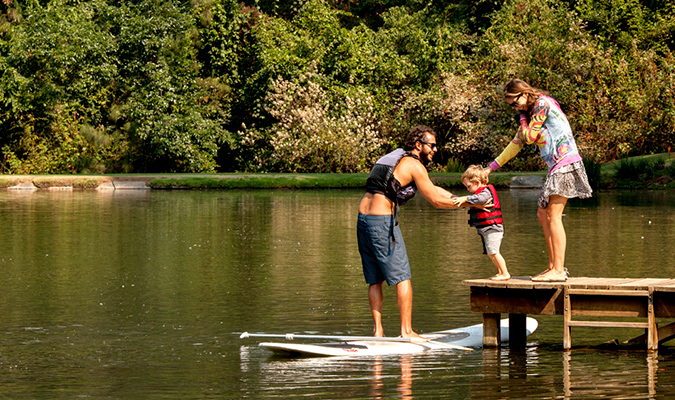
(142, 294)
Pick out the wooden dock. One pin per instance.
(611, 302)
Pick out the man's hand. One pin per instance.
(485, 206)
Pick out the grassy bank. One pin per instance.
(261, 181)
(304, 181)
(644, 172)
(655, 171)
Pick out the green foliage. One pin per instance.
(97, 87)
(615, 100)
(634, 173)
(621, 24)
(166, 114)
(593, 172)
(314, 85)
(314, 135)
(454, 165)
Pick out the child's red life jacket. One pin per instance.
(478, 216)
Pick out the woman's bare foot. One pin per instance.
(542, 273)
(549, 276)
(500, 277)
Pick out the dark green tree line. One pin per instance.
(321, 86)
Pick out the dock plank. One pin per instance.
(607, 283)
(641, 284)
(584, 283)
(666, 286)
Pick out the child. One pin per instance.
(488, 222)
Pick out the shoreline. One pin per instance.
(225, 181)
(235, 181)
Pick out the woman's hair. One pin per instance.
(475, 173)
(416, 135)
(516, 87)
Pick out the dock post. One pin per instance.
(567, 318)
(652, 330)
(517, 331)
(492, 334)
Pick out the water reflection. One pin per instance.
(404, 386)
(584, 374)
(137, 294)
(374, 377)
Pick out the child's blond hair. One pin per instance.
(475, 173)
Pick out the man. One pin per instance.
(395, 179)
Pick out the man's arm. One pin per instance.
(437, 196)
(444, 192)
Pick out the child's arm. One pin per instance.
(460, 202)
(482, 201)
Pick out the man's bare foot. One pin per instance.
(378, 334)
(500, 277)
(411, 335)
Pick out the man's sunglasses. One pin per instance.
(432, 145)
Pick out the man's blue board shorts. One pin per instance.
(384, 257)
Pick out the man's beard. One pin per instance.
(425, 159)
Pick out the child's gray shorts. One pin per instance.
(492, 240)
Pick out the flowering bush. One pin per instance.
(317, 130)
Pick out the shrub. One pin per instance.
(318, 131)
(593, 170)
(634, 173)
(455, 165)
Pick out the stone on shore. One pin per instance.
(123, 185)
(23, 186)
(526, 182)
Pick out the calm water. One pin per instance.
(141, 294)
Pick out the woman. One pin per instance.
(543, 123)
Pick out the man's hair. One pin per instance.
(416, 135)
(475, 173)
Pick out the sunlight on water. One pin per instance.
(143, 294)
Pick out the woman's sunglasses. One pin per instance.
(515, 101)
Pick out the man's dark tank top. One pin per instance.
(381, 179)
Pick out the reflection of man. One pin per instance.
(395, 179)
(404, 387)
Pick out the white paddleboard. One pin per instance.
(470, 336)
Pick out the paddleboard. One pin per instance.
(452, 339)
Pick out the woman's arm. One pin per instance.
(532, 129)
(508, 153)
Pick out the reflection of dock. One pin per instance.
(610, 302)
(507, 374)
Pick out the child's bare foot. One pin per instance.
(500, 277)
